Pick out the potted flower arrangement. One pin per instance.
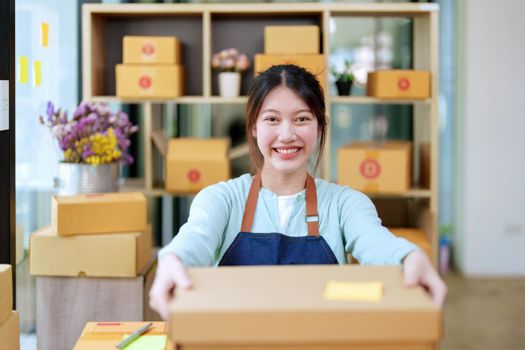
(344, 78)
(230, 63)
(93, 142)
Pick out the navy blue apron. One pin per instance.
(275, 248)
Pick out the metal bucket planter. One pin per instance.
(75, 178)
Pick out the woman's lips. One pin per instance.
(287, 152)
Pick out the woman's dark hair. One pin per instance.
(303, 83)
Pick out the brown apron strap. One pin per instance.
(312, 218)
(251, 203)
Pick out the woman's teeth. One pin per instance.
(287, 151)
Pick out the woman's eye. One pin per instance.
(270, 119)
(303, 119)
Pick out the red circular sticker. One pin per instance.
(148, 49)
(194, 175)
(370, 168)
(145, 82)
(403, 84)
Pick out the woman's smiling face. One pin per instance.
(286, 132)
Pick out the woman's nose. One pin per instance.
(286, 132)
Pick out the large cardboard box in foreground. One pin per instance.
(399, 84)
(105, 335)
(10, 332)
(384, 168)
(99, 213)
(103, 255)
(6, 292)
(192, 164)
(315, 64)
(151, 50)
(284, 307)
(150, 81)
(289, 39)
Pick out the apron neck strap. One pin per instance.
(312, 218)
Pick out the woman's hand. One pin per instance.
(170, 274)
(418, 270)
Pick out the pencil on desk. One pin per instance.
(134, 336)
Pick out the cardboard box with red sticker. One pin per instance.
(376, 168)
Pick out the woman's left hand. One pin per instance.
(418, 270)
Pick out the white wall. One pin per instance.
(490, 234)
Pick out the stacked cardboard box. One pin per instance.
(104, 237)
(105, 335)
(151, 68)
(94, 235)
(9, 319)
(297, 45)
(376, 168)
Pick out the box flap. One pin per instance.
(285, 304)
(198, 149)
(160, 140)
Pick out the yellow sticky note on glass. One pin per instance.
(148, 342)
(37, 69)
(44, 34)
(23, 69)
(354, 291)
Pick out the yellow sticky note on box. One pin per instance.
(148, 342)
(354, 291)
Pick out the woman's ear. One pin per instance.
(254, 131)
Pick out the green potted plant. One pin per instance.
(343, 78)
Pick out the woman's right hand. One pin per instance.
(170, 274)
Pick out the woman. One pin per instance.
(284, 216)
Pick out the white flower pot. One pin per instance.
(229, 84)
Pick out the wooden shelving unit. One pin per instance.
(206, 28)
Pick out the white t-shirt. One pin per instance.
(285, 205)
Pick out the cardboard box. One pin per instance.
(10, 332)
(367, 167)
(6, 292)
(91, 299)
(315, 64)
(399, 84)
(284, 307)
(291, 39)
(150, 81)
(105, 335)
(193, 164)
(103, 255)
(416, 236)
(151, 50)
(99, 213)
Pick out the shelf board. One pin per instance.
(415, 192)
(244, 99)
(178, 100)
(137, 185)
(375, 100)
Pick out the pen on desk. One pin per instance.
(134, 336)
